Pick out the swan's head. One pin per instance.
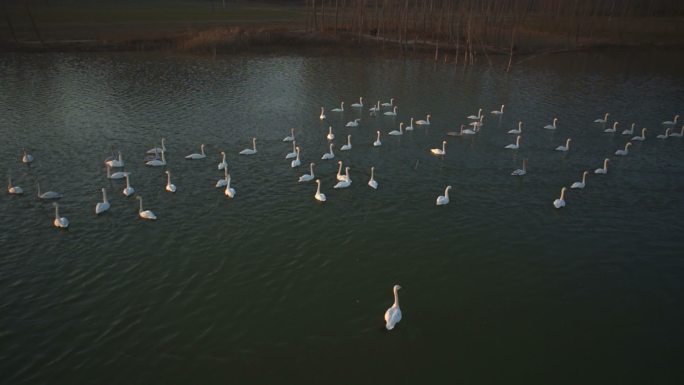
(202, 147)
(377, 132)
(429, 116)
(628, 144)
(318, 182)
(348, 136)
(401, 125)
(615, 125)
(569, 140)
(138, 197)
(167, 172)
(339, 162)
(633, 124)
(563, 190)
(103, 190)
(462, 127)
(372, 168)
(223, 153)
(444, 142)
(292, 130)
(585, 173)
(346, 169)
(253, 140)
(396, 287)
(555, 120)
(448, 188)
(297, 148)
(55, 205)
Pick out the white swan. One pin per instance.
(397, 132)
(582, 183)
(551, 126)
(625, 151)
(296, 162)
(377, 142)
(223, 181)
(477, 123)
(145, 214)
(516, 145)
(170, 187)
(229, 191)
(48, 194)
(329, 155)
(678, 134)
(292, 154)
(498, 112)
(157, 150)
(322, 117)
(630, 131)
(671, 122)
(604, 120)
(115, 162)
(59, 222)
(612, 130)
(196, 156)
(346, 182)
(372, 182)
(157, 162)
(566, 147)
(359, 104)
(291, 137)
(340, 176)
(393, 314)
(310, 176)
(353, 123)
(457, 133)
(642, 137)
(560, 202)
(374, 110)
(516, 131)
(521, 171)
(422, 122)
(410, 126)
(13, 189)
(250, 151)
(468, 131)
(392, 113)
(390, 104)
(604, 169)
(666, 135)
(27, 158)
(348, 146)
(437, 151)
(128, 191)
(341, 109)
(330, 135)
(476, 117)
(103, 206)
(223, 164)
(319, 195)
(444, 199)
(116, 175)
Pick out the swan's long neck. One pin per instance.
(446, 192)
(120, 158)
(401, 127)
(395, 110)
(140, 209)
(297, 154)
(626, 147)
(202, 150)
(168, 178)
(331, 146)
(372, 173)
(605, 164)
(339, 170)
(443, 146)
(311, 169)
(584, 177)
(615, 125)
(348, 140)
(554, 122)
(318, 188)
(479, 112)
(411, 122)
(643, 132)
(163, 145)
(396, 297)
(676, 118)
(163, 156)
(225, 172)
(517, 141)
(682, 131)
(330, 130)
(427, 118)
(228, 179)
(294, 146)
(128, 185)
(109, 174)
(56, 211)
(38, 185)
(223, 157)
(502, 108)
(567, 144)
(378, 135)
(104, 195)
(519, 126)
(605, 117)
(254, 144)
(562, 197)
(524, 164)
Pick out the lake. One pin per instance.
(498, 286)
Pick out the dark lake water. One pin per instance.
(273, 287)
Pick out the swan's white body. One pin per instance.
(319, 195)
(310, 176)
(116, 162)
(116, 175)
(604, 120)
(330, 154)
(516, 145)
(521, 171)
(678, 134)
(551, 126)
(290, 138)
(229, 191)
(59, 222)
(128, 191)
(560, 202)
(359, 104)
(377, 142)
(293, 154)
(604, 169)
(393, 314)
(476, 117)
(582, 183)
(353, 123)
(398, 132)
(346, 182)
(390, 104)
(642, 137)
(392, 113)
(157, 162)
(630, 131)
(666, 135)
(625, 151)
(348, 146)
(372, 182)
(157, 150)
(566, 147)
(223, 164)
(330, 135)
(48, 194)
(439, 151)
(27, 158)
(250, 151)
(223, 181)
(613, 129)
(296, 162)
(13, 189)
(145, 214)
(671, 122)
(196, 156)
(103, 206)
(340, 176)
(425, 122)
(498, 112)
(322, 116)
(410, 126)
(170, 187)
(517, 131)
(341, 109)
(444, 199)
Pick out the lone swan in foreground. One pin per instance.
(393, 314)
